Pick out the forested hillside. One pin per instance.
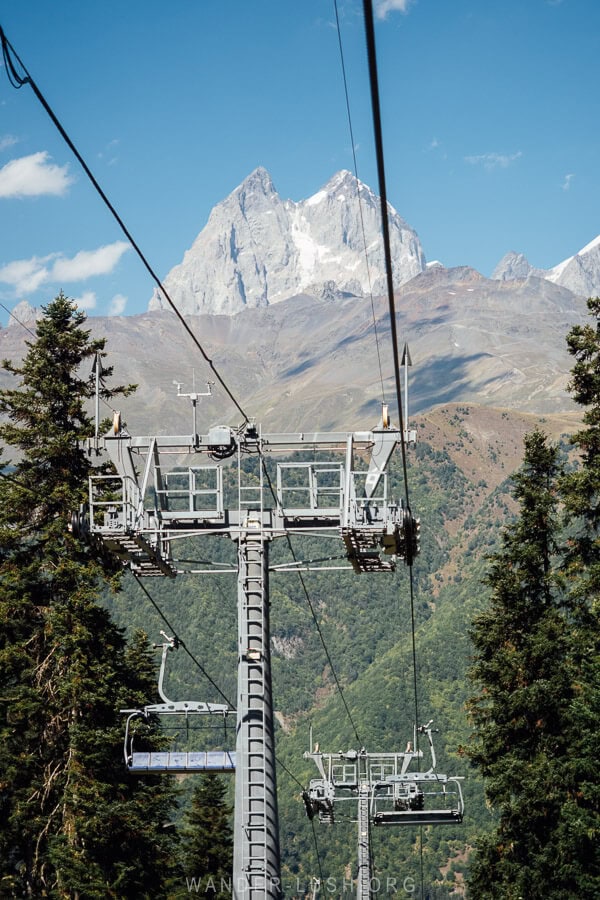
(459, 481)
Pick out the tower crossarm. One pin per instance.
(166, 486)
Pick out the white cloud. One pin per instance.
(567, 182)
(494, 160)
(117, 305)
(27, 275)
(87, 263)
(383, 7)
(9, 140)
(109, 152)
(32, 176)
(86, 301)
(435, 146)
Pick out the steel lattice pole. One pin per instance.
(256, 863)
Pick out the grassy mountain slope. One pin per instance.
(306, 363)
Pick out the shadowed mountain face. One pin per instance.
(308, 363)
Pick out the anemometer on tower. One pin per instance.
(193, 397)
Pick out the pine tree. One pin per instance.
(522, 672)
(581, 488)
(579, 850)
(207, 839)
(546, 844)
(73, 823)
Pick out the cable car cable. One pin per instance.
(378, 134)
(322, 639)
(17, 81)
(316, 843)
(376, 109)
(360, 210)
(373, 79)
(182, 643)
(414, 648)
(372, 58)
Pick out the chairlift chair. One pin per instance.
(186, 761)
(398, 796)
(418, 798)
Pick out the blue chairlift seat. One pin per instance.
(217, 761)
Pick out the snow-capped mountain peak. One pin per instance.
(257, 249)
(593, 245)
(579, 273)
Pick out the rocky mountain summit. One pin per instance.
(279, 292)
(258, 249)
(24, 315)
(579, 273)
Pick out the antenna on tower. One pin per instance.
(410, 436)
(97, 373)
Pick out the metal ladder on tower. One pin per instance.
(363, 878)
(255, 868)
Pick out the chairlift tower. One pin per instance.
(386, 791)
(140, 513)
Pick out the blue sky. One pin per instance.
(490, 117)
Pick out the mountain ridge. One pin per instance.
(257, 250)
(311, 359)
(579, 273)
(306, 363)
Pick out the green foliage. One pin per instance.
(366, 623)
(73, 823)
(522, 674)
(580, 490)
(537, 667)
(208, 840)
(534, 741)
